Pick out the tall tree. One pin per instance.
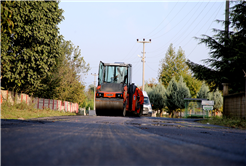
(32, 45)
(227, 53)
(173, 65)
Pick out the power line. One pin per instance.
(205, 24)
(159, 49)
(186, 28)
(151, 68)
(163, 19)
(168, 23)
(129, 52)
(132, 53)
(206, 31)
(194, 26)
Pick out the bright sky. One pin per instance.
(107, 31)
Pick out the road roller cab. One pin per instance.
(115, 91)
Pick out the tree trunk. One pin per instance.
(161, 113)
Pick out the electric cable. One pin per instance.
(193, 28)
(206, 31)
(160, 49)
(168, 23)
(163, 19)
(186, 29)
(151, 67)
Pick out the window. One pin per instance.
(146, 100)
(115, 74)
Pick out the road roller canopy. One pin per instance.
(117, 72)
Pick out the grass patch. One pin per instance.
(24, 111)
(228, 122)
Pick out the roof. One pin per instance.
(145, 94)
(200, 99)
(117, 64)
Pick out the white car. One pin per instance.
(147, 109)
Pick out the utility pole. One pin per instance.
(143, 57)
(95, 80)
(227, 18)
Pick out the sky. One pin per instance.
(107, 31)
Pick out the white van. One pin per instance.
(147, 109)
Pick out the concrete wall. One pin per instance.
(14, 97)
(234, 105)
(39, 103)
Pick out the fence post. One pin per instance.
(225, 88)
(225, 92)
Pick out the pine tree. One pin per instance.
(157, 97)
(173, 65)
(183, 92)
(227, 53)
(172, 96)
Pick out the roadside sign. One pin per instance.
(208, 108)
(207, 102)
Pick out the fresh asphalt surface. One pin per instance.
(104, 140)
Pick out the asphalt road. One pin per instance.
(91, 140)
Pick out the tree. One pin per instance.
(89, 102)
(67, 75)
(172, 96)
(192, 83)
(7, 24)
(183, 92)
(175, 94)
(218, 99)
(227, 53)
(149, 85)
(173, 65)
(31, 47)
(157, 97)
(6, 27)
(204, 92)
(147, 88)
